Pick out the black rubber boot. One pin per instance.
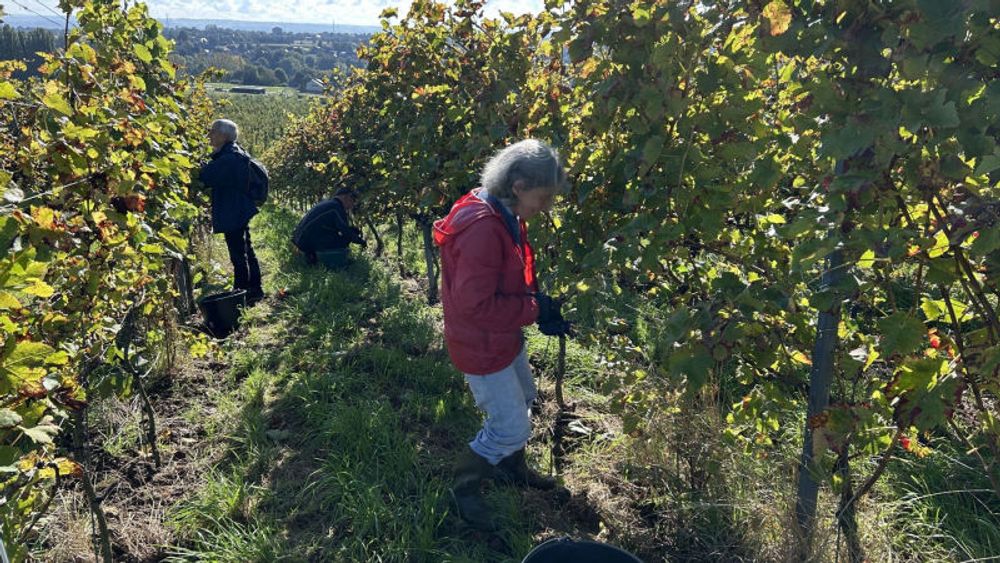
(470, 470)
(514, 470)
(255, 296)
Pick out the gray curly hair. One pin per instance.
(532, 162)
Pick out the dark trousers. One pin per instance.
(246, 270)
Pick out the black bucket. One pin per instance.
(565, 550)
(334, 258)
(222, 311)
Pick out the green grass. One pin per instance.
(223, 88)
(937, 508)
(119, 425)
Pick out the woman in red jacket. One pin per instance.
(489, 293)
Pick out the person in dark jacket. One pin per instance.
(488, 293)
(327, 226)
(228, 175)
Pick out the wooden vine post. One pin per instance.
(430, 257)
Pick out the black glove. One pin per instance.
(354, 235)
(550, 319)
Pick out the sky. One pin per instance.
(352, 12)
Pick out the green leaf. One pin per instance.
(694, 363)
(988, 164)
(12, 194)
(652, 149)
(901, 334)
(43, 432)
(168, 67)
(82, 51)
(929, 109)
(29, 353)
(8, 458)
(142, 52)
(198, 349)
(59, 358)
(933, 309)
(640, 14)
(73, 131)
(846, 141)
(941, 272)
(925, 392)
(991, 363)
(9, 418)
(55, 99)
(987, 241)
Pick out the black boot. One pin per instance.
(470, 470)
(255, 296)
(514, 470)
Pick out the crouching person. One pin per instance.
(489, 293)
(327, 226)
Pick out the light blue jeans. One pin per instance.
(506, 397)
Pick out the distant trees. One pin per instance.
(23, 45)
(300, 79)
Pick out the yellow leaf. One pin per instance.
(8, 301)
(941, 244)
(779, 16)
(83, 52)
(198, 349)
(40, 289)
(67, 468)
(55, 99)
(8, 92)
(872, 356)
(867, 259)
(800, 358)
(44, 217)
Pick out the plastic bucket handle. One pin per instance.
(565, 550)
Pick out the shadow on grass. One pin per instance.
(340, 444)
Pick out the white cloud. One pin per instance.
(354, 12)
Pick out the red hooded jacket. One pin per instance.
(486, 284)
